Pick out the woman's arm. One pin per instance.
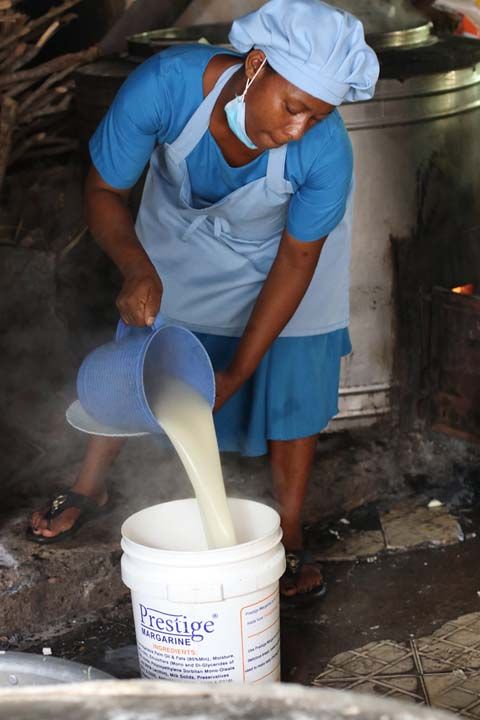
(111, 224)
(282, 292)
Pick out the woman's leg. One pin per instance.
(101, 452)
(291, 462)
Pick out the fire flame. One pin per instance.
(464, 289)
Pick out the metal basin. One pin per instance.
(154, 700)
(25, 669)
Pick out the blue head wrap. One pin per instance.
(319, 48)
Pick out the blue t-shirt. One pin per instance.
(154, 105)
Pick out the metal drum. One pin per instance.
(416, 164)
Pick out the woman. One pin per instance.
(243, 236)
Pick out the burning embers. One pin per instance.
(468, 289)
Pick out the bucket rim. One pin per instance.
(209, 556)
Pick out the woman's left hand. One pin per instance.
(226, 385)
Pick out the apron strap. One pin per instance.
(276, 168)
(197, 126)
(199, 220)
(219, 225)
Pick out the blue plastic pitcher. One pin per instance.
(118, 383)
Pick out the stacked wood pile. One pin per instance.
(35, 97)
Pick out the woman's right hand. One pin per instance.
(141, 295)
(111, 224)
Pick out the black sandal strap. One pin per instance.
(296, 559)
(69, 499)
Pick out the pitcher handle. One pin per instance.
(159, 322)
(123, 329)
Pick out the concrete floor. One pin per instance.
(43, 586)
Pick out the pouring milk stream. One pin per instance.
(186, 417)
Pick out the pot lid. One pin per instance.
(388, 24)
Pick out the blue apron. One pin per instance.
(213, 259)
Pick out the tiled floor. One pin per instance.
(403, 527)
(401, 617)
(440, 670)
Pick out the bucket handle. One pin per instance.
(123, 328)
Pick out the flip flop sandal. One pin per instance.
(296, 559)
(69, 499)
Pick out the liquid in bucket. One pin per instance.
(186, 417)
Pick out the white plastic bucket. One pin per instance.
(205, 615)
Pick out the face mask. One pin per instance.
(235, 112)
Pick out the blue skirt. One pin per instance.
(292, 394)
